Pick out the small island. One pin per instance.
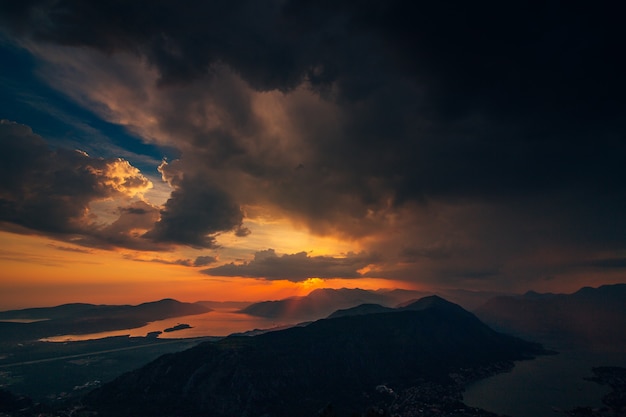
(181, 326)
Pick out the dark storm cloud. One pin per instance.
(204, 260)
(510, 96)
(295, 267)
(49, 191)
(509, 115)
(195, 212)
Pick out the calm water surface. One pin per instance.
(539, 387)
(214, 323)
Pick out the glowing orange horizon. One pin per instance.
(38, 271)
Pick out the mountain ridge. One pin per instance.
(300, 370)
(589, 317)
(79, 318)
(322, 302)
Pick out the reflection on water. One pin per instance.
(542, 386)
(214, 323)
(21, 320)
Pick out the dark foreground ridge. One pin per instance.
(385, 362)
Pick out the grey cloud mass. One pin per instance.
(295, 267)
(453, 137)
(50, 192)
(194, 213)
(204, 260)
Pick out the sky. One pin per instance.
(249, 150)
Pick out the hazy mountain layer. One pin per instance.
(590, 317)
(322, 302)
(89, 318)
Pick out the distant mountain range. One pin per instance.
(90, 318)
(299, 371)
(322, 302)
(590, 317)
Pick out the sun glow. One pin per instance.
(281, 235)
(38, 271)
(312, 282)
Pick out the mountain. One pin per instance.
(590, 317)
(469, 299)
(322, 302)
(319, 303)
(90, 318)
(49, 313)
(361, 310)
(432, 302)
(301, 370)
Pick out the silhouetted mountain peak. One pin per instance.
(341, 292)
(432, 301)
(604, 290)
(360, 310)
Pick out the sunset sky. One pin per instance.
(249, 150)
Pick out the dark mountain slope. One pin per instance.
(300, 370)
(49, 313)
(590, 317)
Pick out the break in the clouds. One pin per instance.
(267, 264)
(51, 190)
(474, 142)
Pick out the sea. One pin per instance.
(545, 386)
(214, 323)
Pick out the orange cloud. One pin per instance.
(122, 177)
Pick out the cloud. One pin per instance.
(199, 261)
(52, 192)
(204, 260)
(398, 125)
(295, 267)
(70, 249)
(133, 221)
(195, 212)
(181, 262)
(242, 231)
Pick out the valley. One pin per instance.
(414, 359)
